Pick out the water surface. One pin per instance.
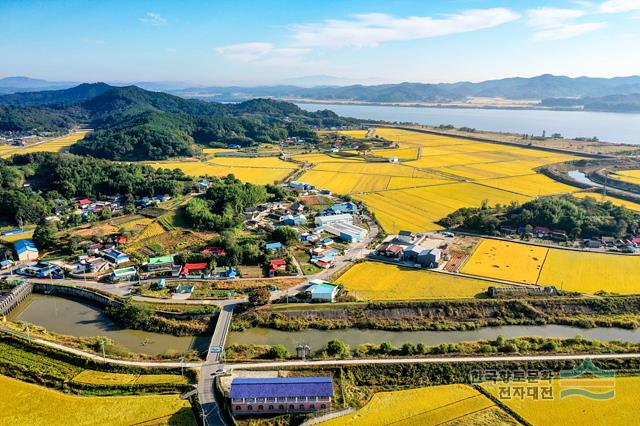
(74, 318)
(318, 339)
(606, 126)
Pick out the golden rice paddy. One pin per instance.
(34, 405)
(380, 281)
(53, 145)
(568, 270)
(436, 405)
(617, 201)
(576, 410)
(631, 176)
(505, 260)
(418, 209)
(415, 194)
(260, 175)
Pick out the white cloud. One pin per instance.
(619, 6)
(568, 31)
(257, 51)
(369, 30)
(549, 17)
(154, 19)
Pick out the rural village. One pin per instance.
(302, 281)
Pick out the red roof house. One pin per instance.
(216, 251)
(84, 201)
(189, 267)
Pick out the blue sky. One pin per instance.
(268, 41)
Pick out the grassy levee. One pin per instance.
(468, 314)
(50, 367)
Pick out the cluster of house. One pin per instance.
(403, 249)
(249, 396)
(538, 232)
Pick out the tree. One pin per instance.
(259, 296)
(129, 314)
(44, 236)
(278, 352)
(386, 348)
(408, 349)
(285, 235)
(337, 348)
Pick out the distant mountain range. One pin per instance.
(516, 88)
(580, 92)
(131, 123)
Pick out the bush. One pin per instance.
(278, 352)
(337, 348)
(259, 296)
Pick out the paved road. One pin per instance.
(438, 360)
(210, 406)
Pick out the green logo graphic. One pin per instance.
(587, 381)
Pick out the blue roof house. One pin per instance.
(280, 395)
(273, 246)
(115, 256)
(26, 250)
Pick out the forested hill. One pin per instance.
(135, 124)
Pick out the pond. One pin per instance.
(80, 319)
(318, 339)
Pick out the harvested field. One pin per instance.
(505, 260)
(569, 270)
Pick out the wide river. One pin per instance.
(318, 339)
(606, 126)
(74, 318)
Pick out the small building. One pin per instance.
(115, 256)
(407, 237)
(94, 265)
(300, 186)
(215, 251)
(6, 264)
(224, 272)
(390, 250)
(322, 291)
(341, 208)
(199, 268)
(346, 231)
(124, 274)
(277, 265)
(325, 220)
(26, 250)
(297, 207)
(273, 246)
(541, 231)
(203, 185)
(184, 289)
(412, 252)
(280, 395)
(295, 220)
(592, 243)
(430, 258)
(160, 263)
